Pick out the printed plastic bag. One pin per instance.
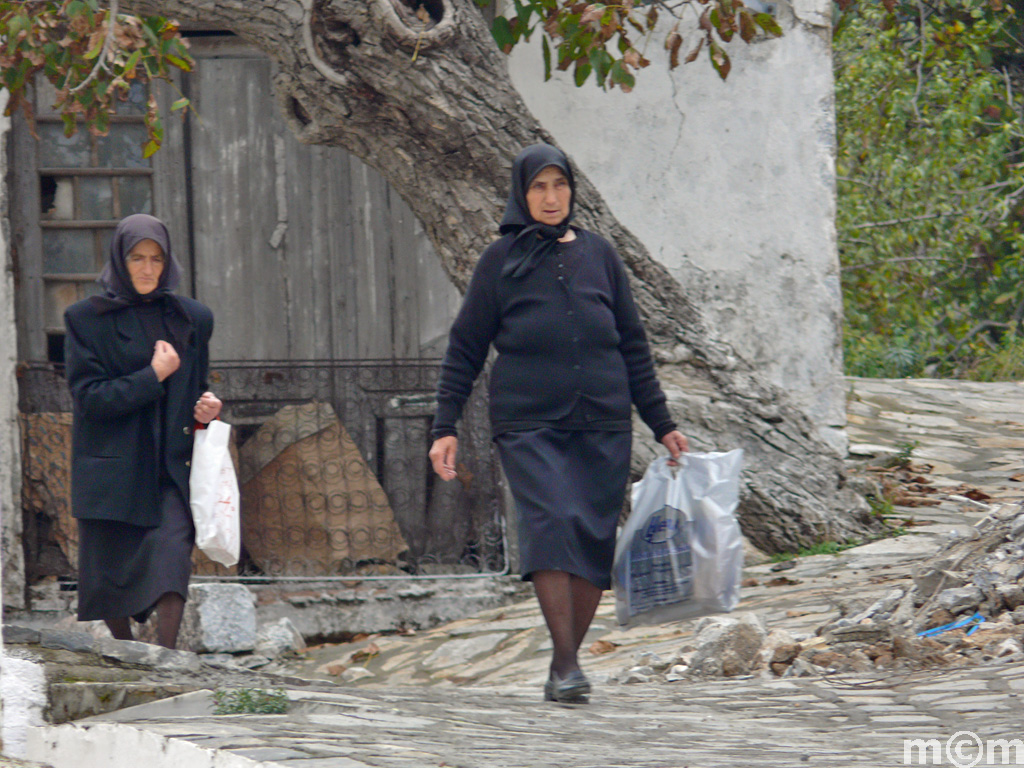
(214, 495)
(680, 553)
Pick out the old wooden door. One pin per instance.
(331, 310)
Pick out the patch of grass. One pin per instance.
(880, 506)
(251, 701)
(902, 457)
(821, 548)
(835, 547)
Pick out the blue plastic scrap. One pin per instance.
(974, 622)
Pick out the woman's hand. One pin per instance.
(676, 443)
(442, 456)
(207, 408)
(165, 360)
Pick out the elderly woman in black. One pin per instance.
(137, 359)
(572, 355)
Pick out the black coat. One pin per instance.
(564, 340)
(116, 428)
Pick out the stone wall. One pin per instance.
(730, 185)
(11, 552)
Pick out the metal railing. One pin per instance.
(333, 470)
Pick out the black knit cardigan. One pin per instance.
(568, 343)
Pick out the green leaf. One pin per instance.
(601, 61)
(501, 30)
(150, 148)
(181, 103)
(768, 24)
(547, 58)
(523, 12)
(582, 72)
(181, 64)
(129, 66)
(621, 76)
(93, 52)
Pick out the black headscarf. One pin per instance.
(534, 241)
(120, 293)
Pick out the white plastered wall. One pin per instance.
(730, 185)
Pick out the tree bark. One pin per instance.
(429, 104)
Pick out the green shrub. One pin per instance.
(250, 701)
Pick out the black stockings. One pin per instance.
(120, 628)
(169, 610)
(568, 603)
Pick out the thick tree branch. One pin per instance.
(443, 129)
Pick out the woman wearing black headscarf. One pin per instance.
(137, 359)
(572, 355)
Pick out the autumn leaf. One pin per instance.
(673, 43)
(720, 60)
(600, 647)
(692, 56)
(592, 14)
(748, 30)
(365, 654)
(705, 20)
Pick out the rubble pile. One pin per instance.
(966, 607)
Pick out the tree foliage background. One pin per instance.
(929, 101)
(931, 187)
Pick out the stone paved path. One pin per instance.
(468, 694)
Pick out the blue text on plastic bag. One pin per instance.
(680, 553)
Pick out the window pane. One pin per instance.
(59, 296)
(46, 95)
(95, 198)
(122, 147)
(106, 235)
(136, 195)
(69, 250)
(136, 103)
(56, 150)
(57, 197)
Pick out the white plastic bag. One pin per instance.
(214, 494)
(680, 553)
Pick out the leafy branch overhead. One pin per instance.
(91, 56)
(603, 38)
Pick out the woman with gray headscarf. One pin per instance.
(555, 302)
(137, 358)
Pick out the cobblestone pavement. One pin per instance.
(468, 694)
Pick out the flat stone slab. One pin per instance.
(469, 693)
(700, 724)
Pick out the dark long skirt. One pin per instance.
(568, 487)
(123, 570)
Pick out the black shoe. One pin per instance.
(571, 689)
(549, 690)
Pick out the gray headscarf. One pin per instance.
(533, 240)
(120, 293)
(130, 232)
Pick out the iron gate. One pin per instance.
(333, 469)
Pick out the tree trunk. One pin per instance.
(430, 105)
